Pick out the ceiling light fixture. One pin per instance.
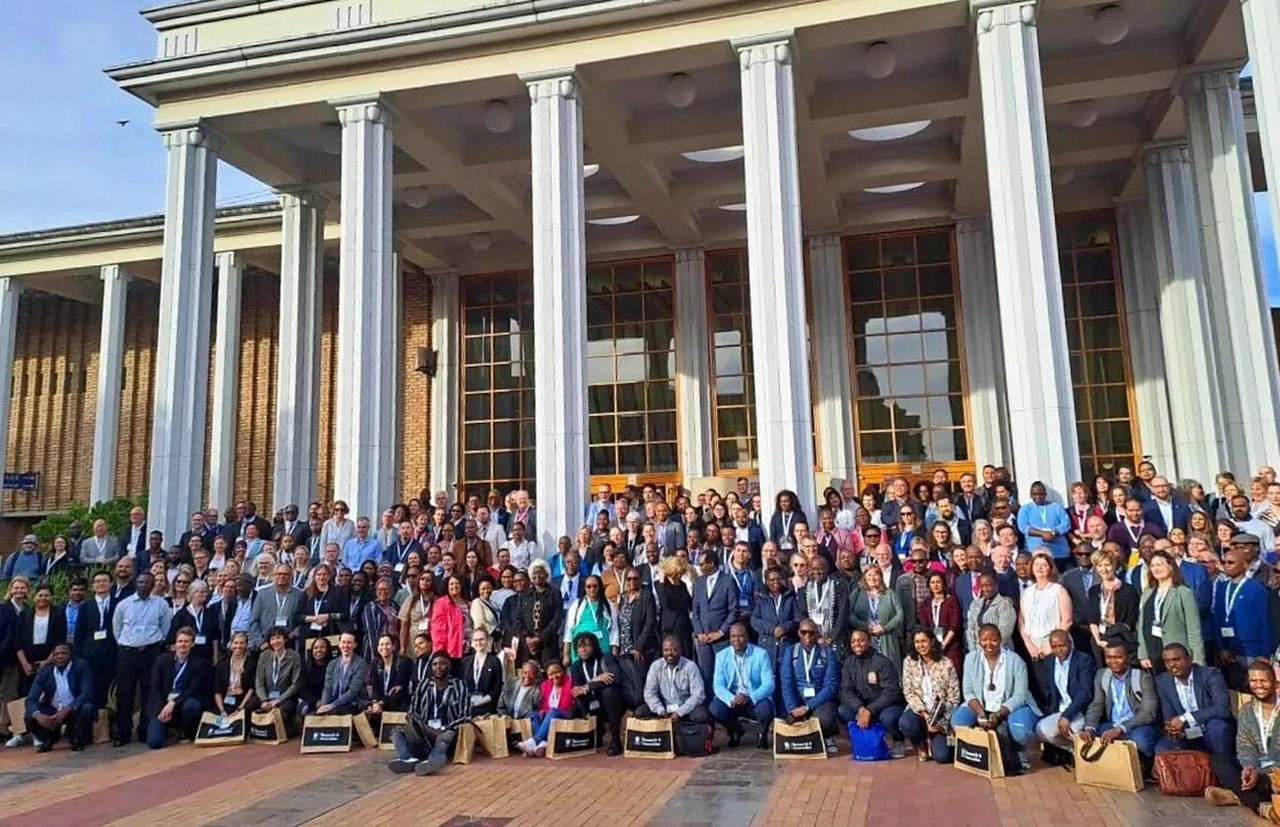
(681, 91)
(892, 132)
(891, 189)
(498, 117)
(590, 169)
(740, 207)
(417, 197)
(880, 60)
(613, 221)
(1110, 25)
(1083, 113)
(480, 241)
(719, 155)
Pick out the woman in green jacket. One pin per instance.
(1167, 613)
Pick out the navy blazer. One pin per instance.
(43, 688)
(1081, 669)
(963, 589)
(824, 672)
(718, 612)
(1181, 514)
(1212, 697)
(766, 616)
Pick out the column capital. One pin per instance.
(12, 285)
(824, 241)
(292, 197)
(774, 47)
(1208, 79)
(988, 14)
(195, 133)
(1166, 152)
(689, 255)
(973, 223)
(369, 108)
(113, 271)
(553, 83)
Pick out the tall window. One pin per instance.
(1096, 340)
(497, 383)
(631, 392)
(906, 350)
(731, 361)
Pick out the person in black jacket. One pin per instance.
(637, 619)
(324, 606)
(36, 644)
(1112, 608)
(313, 670)
(481, 671)
(178, 683)
(234, 691)
(538, 618)
(95, 638)
(388, 680)
(597, 686)
(206, 623)
(871, 690)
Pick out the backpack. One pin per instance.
(693, 740)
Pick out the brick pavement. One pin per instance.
(277, 787)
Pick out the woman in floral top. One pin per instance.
(932, 691)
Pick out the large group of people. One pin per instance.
(1129, 611)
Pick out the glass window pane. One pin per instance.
(876, 447)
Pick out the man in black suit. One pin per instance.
(1078, 581)
(95, 639)
(1070, 674)
(133, 540)
(482, 673)
(123, 586)
(61, 696)
(178, 683)
(300, 530)
(249, 516)
(1195, 705)
(970, 500)
(198, 529)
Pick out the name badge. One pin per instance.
(273, 695)
(316, 627)
(434, 723)
(939, 633)
(476, 699)
(173, 696)
(786, 545)
(201, 640)
(282, 621)
(1157, 631)
(1193, 732)
(808, 692)
(399, 568)
(101, 634)
(873, 678)
(1228, 631)
(422, 624)
(593, 706)
(229, 700)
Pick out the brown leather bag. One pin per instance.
(1184, 772)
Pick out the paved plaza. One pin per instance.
(275, 787)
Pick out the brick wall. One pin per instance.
(415, 399)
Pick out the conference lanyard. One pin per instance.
(1159, 599)
(777, 607)
(874, 601)
(1264, 726)
(386, 679)
(1232, 597)
(199, 621)
(275, 670)
(807, 658)
(1135, 534)
(787, 519)
(102, 614)
(937, 614)
(177, 676)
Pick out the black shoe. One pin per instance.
(45, 747)
(762, 739)
(735, 738)
(615, 748)
(431, 766)
(400, 767)
(118, 743)
(76, 746)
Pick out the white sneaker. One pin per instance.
(832, 749)
(15, 741)
(526, 746)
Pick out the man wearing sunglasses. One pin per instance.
(811, 682)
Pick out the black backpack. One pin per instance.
(693, 740)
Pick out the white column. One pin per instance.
(1140, 277)
(298, 386)
(983, 353)
(226, 382)
(364, 444)
(446, 316)
(784, 419)
(559, 304)
(10, 294)
(1187, 334)
(834, 391)
(106, 423)
(1262, 31)
(1250, 404)
(694, 386)
(176, 482)
(1042, 417)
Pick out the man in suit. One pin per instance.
(248, 516)
(397, 552)
(279, 606)
(1070, 691)
(970, 500)
(946, 512)
(472, 541)
(1164, 509)
(569, 584)
(742, 687)
(100, 547)
(1125, 704)
(1242, 611)
(482, 673)
(810, 678)
(61, 696)
(133, 540)
(1077, 581)
(715, 607)
(972, 562)
(745, 531)
(179, 681)
(1195, 704)
(200, 529)
(670, 530)
(94, 637)
(300, 529)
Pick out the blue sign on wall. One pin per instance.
(27, 481)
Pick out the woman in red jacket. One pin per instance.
(451, 621)
(940, 615)
(557, 702)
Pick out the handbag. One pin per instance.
(268, 727)
(1112, 766)
(868, 744)
(979, 752)
(491, 735)
(326, 733)
(572, 737)
(693, 740)
(218, 730)
(1183, 772)
(799, 740)
(649, 738)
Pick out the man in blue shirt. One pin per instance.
(361, 547)
(25, 562)
(811, 682)
(1045, 525)
(1242, 615)
(743, 686)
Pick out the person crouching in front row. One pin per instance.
(436, 710)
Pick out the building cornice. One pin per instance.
(129, 230)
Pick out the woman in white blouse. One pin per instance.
(1046, 606)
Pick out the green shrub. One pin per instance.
(115, 512)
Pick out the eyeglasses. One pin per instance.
(807, 632)
(919, 562)
(632, 579)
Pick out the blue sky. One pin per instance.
(64, 159)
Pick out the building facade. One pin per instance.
(519, 245)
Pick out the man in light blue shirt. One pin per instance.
(1045, 525)
(361, 547)
(743, 687)
(140, 623)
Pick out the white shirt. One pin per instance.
(711, 584)
(993, 699)
(1061, 671)
(1166, 512)
(40, 630)
(62, 688)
